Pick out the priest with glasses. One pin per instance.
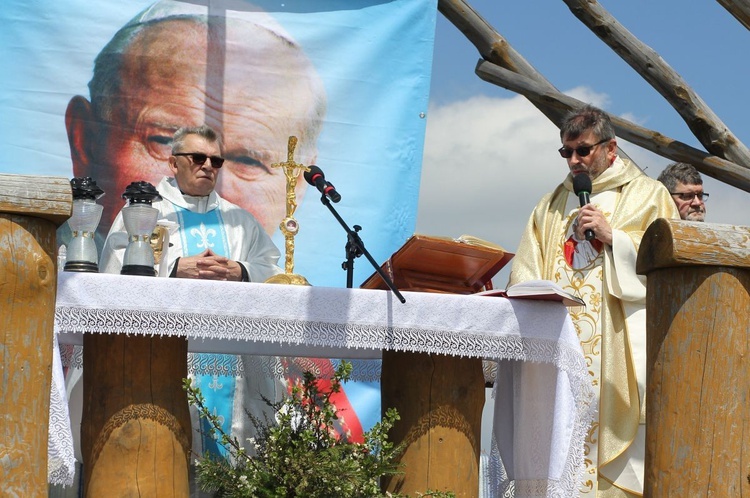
(591, 251)
(214, 240)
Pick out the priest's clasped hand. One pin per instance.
(209, 266)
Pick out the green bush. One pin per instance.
(299, 454)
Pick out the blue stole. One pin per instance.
(201, 231)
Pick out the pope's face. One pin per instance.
(253, 96)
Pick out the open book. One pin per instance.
(536, 289)
(442, 264)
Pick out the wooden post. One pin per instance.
(31, 208)
(698, 316)
(440, 400)
(135, 425)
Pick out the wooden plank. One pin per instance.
(697, 417)
(47, 197)
(698, 377)
(135, 428)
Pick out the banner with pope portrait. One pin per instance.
(97, 89)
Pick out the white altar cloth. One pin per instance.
(543, 397)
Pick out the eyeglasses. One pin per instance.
(199, 158)
(689, 196)
(581, 150)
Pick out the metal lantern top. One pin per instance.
(85, 188)
(141, 193)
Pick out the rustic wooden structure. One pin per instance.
(697, 414)
(135, 426)
(31, 209)
(440, 400)
(727, 158)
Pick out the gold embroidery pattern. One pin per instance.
(585, 283)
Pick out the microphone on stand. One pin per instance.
(582, 188)
(316, 178)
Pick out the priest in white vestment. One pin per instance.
(601, 270)
(216, 240)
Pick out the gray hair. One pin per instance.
(205, 131)
(587, 118)
(680, 173)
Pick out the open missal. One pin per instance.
(536, 289)
(441, 264)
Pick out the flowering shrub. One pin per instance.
(300, 454)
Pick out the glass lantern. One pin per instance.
(81, 253)
(140, 219)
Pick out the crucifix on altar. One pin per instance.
(290, 226)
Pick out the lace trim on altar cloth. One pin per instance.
(333, 335)
(60, 452)
(508, 488)
(501, 485)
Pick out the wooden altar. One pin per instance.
(247, 318)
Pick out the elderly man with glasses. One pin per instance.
(590, 251)
(215, 240)
(685, 185)
(190, 201)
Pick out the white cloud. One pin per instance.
(488, 161)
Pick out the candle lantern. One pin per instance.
(81, 253)
(139, 217)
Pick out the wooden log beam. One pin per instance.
(28, 284)
(505, 67)
(707, 127)
(494, 48)
(740, 9)
(440, 400)
(697, 415)
(654, 141)
(46, 197)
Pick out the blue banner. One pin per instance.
(98, 89)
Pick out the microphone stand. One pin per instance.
(354, 249)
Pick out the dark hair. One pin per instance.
(680, 173)
(587, 118)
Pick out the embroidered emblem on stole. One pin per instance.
(201, 231)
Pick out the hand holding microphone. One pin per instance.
(591, 215)
(582, 188)
(316, 178)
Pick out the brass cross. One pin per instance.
(291, 172)
(289, 226)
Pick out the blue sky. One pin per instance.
(490, 155)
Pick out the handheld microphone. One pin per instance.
(316, 178)
(582, 188)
